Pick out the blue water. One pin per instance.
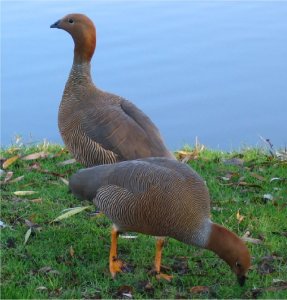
(216, 70)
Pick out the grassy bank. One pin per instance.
(69, 259)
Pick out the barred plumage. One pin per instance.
(98, 127)
(161, 197)
(131, 192)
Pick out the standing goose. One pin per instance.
(163, 198)
(98, 127)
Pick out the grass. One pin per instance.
(69, 259)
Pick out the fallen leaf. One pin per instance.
(199, 289)
(37, 200)
(48, 270)
(16, 179)
(278, 281)
(243, 183)
(71, 212)
(10, 161)
(8, 176)
(239, 217)
(24, 193)
(44, 269)
(65, 181)
(252, 240)
(35, 156)
(13, 149)
(225, 178)
(72, 251)
(66, 162)
(27, 235)
(34, 166)
(185, 156)
(259, 177)
(41, 288)
(128, 236)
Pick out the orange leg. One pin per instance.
(157, 261)
(116, 265)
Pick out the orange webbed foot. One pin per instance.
(116, 266)
(166, 277)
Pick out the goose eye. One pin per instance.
(71, 21)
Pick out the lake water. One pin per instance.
(216, 70)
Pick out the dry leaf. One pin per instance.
(48, 270)
(41, 288)
(252, 240)
(16, 179)
(199, 289)
(65, 181)
(35, 156)
(10, 161)
(66, 162)
(243, 183)
(8, 176)
(24, 193)
(239, 217)
(71, 212)
(72, 251)
(27, 235)
(127, 236)
(34, 166)
(185, 156)
(259, 177)
(37, 200)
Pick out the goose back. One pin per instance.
(156, 196)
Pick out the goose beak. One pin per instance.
(241, 279)
(56, 24)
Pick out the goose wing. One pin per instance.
(125, 130)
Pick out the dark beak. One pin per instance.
(241, 279)
(56, 24)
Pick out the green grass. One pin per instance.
(76, 249)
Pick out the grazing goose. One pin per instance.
(163, 198)
(98, 127)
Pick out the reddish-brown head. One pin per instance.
(232, 249)
(83, 32)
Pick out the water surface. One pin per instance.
(215, 70)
